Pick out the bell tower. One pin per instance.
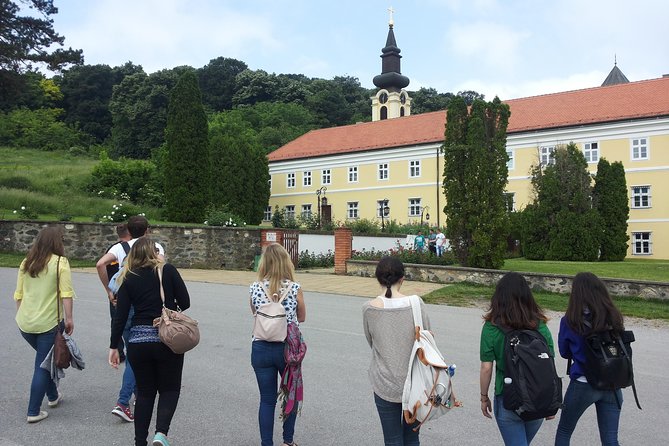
(391, 101)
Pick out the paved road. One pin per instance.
(219, 398)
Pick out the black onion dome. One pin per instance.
(391, 75)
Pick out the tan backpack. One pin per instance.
(270, 321)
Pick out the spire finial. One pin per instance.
(391, 22)
(615, 60)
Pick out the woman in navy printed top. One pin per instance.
(589, 301)
(276, 274)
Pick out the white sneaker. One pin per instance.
(35, 418)
(56, 402)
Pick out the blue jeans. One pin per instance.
(128, 383)
(515, 431)
(268, 362)
(396, 432)
(577, 399)
(42, 384)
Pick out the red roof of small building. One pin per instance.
(635, 100)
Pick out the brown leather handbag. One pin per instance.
(61, 352)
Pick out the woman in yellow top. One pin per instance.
(36, 312)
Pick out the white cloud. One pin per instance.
(493, 45)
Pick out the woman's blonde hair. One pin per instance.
(49, 242)
(143, 254)
(275, 266)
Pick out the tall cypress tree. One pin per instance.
(187, 168)
(610, 200)
(475, 176)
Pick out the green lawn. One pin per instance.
(472, 295)
(13, 260)
(639, 269)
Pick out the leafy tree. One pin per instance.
(27, 40)
(217, 81)
(87, 91)
(234, 149)
(428, 100)
(560, 224)
(37, 129)
(470, 96)
(187, 168)
(139, 112)
(475, 176)
(610, 201)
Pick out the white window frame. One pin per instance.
(639, 196)
(383, 172)
(512, 195)
(511, 163)
(591, 151)
(326, 177)
(306, 210)
(415, 207)
(642, 243)
(352, 210)
(414, 169)
(290, 211)
(270, 183)
(353, 174)
(290, 180)
(546, 155)
(306, 178)
(635, 143)
(267, 215)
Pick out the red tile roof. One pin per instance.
(634, 100)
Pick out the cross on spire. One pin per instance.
(391, 22)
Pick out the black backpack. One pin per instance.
(114, 267)
(608, 360)
(532, 388)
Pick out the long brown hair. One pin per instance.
(513, 305)
(590, 296)
(143, 254)
(49, 242)
(275, 266)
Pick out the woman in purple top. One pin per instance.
(589, 301)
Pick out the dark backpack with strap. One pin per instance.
(114, 277)
(114, 267)
(532, 388)
(608, 360)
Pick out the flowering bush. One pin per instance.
(26, 213)
(222, 217)
(119, 213)
(406, 255)
(306, 259)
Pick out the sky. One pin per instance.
(505, 48)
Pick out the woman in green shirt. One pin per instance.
(36, 312)
(513, 306)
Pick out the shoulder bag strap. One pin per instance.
(160, 280)
(286, 292)
(58, 292)
(415, 309)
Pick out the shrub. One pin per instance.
(120, 213)
(407, 256)
(363, 226)
(26, 213)
(222, 217)
(17, 182)
(110, 179)
(308, 259)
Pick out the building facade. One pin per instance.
(395, 162)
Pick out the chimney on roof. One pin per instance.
(665, 75)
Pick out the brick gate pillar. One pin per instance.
(268, 236)
(343, 248)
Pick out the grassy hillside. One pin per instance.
(50, 185)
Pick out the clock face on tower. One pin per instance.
(383, 98)
(403, 98)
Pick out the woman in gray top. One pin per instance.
(389, 329)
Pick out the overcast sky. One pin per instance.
(509, 48)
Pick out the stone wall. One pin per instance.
(547, 282)
(209, 247)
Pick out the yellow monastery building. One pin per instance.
(397, 158)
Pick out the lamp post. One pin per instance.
(320, 196)
(385, 211)
(424, 213)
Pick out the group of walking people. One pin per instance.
(44, 281)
